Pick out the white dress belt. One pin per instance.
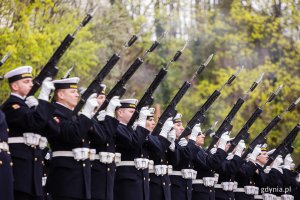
(176, 173)
(258, 197)
(62, 154)
(125, 163)
(197, 181)
(239, 190)
(17, 140)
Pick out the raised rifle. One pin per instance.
(261, 137)
(226, 124)
(243, 133)
(95, 85)
(147, 98)
(199, 116)
(285, 147)
(119, 89)
(170, 111)
(50, 69)
(2, 61)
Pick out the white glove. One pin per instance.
(113, 104)
(239, 148)
(230, 156)
(183, 142)
(223, 140)
(213, 150)
(288, 162)
(172, 136)
(277, 163)
(195, 131)
(172, 146)
(101, 115)
(31, 101)
(47, 86)
(168, 125)
(144, 113)
(256, 151)
(267, 169)
(90, 105)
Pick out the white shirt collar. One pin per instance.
(17, 95)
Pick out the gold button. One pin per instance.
(91, 165)
(187, 188)
(189, 165)
(1, 162)
(108, 169)
(210, 190)
(167, 162)
(161, 160)
(89, 142)
(11, 164)
(148, 179)
(142, 155)
(82, 140)
(164, 183)
(43, 162)
(83, 164)
(35, 159)
(144, 178)
(7, 129)
(107, 144)
(45, 174)
(170, 184)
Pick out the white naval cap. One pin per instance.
(67, 83)
(128, 103)
(19, 73)
(177, 118)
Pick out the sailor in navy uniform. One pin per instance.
(129, 177)
(246, 188)
(26, 126)
(183, 173)
(70, 173)
(289, 178)
(6, 183)
(160, 184)
(227, 170)
(103, 167)
(205, 164)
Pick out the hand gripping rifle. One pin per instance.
(94, 86)
(147, 98)
(261, 137)
(2, 61)
(170, 111)
(226, 124)
(285, 147)
(243, 133)
(119, 89)
(199, 116)
(50, 69)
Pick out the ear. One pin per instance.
(14, 86)
(60, 94)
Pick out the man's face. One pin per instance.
(178, 128)
(200, 139)
(150, 124)
(22, 86)
(68, 97)
(124, 114)
(101, 98)
(262, 158)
